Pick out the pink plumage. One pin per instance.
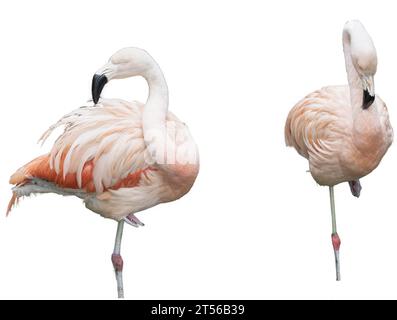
(343, 131)
(119, 157)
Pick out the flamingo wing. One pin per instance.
(314, 124)
(101, 148)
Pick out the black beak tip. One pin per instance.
(98, 83)
(368, 99)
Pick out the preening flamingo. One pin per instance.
(119, 157)
(344, 131)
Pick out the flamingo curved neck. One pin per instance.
(355, 86)
(155, 114)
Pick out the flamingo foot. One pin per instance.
(132, 220)
(355, 187)
(336, 244)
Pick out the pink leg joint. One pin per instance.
(335, 241)
(117, 262)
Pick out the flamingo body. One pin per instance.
(102, 158)
(340, 144)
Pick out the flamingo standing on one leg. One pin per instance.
(119, 157)
(344, 131)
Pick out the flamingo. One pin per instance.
(119, 157)
(344, 131)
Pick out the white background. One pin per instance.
(255, 225)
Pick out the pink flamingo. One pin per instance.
(119, 157)
(344, 131)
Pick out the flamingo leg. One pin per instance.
(334, 236)
(117, 260)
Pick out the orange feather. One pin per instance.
(40, 168)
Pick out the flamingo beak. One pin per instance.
(368, 99)
(98, 82)
(369, 91)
